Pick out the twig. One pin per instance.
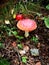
(7, 45)
(16, 50)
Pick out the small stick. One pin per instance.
(16, 50)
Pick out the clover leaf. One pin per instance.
(24, 59)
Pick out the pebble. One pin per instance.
(7, 22)
(22, 52)
(34, 52)
(38, 45)
(38, 63)
(14, 44)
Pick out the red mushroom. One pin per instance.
(27, 25)
(19, 17)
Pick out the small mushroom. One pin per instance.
(27, 25)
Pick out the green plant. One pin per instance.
(6, 10)
(34, 39)
(46, 21)
(1, 45)
(4, 61)
(24, 59)
(19, 38)
(8, 30)
(14, 33)
(20, 7)
(11, 31)
(47, 7)
(20, 46)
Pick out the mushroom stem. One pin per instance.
(26, 34)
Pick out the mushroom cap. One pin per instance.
(27, 25)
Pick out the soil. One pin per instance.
(11, 53)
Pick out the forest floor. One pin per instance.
(13, 53)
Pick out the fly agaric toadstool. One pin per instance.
(19, 17)
(27, 25)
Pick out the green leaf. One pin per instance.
(3, 61)
(18, 40)
(34, 39)
(14, 33)
(46, 21)
(19, 37)
(20, 46)
(9, 33)
(24, 59)
(47, 7)
(17, 8)
(23, 10)
(1, 45)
